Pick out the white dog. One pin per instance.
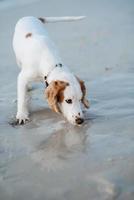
(39, 60)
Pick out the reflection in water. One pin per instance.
(53, 152)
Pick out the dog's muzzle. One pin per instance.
(79, 120)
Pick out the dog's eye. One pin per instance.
(69, 101)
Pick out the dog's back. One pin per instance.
(36, 47)
(28, 24)
(32, 45)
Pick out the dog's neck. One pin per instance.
(46, 77)
(57, 73)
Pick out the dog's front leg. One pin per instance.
(22, 107)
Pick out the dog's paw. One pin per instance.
(21, 118)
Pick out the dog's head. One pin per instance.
(66, 98)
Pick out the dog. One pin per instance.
(39, 60)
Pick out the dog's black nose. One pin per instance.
(79, 120)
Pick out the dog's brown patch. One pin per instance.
(42, 20)
(60, 97)
(28, 35)
(83, 89)
(55, 95)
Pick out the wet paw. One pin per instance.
(15, 122)
(21, 118)
(21, 121)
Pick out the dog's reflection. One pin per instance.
(56, 151)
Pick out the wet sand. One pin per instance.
(48, 158)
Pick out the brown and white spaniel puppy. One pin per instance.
(38, 59)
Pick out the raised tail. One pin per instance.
(60, 19)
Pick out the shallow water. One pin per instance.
(6, 4)
(48, 158)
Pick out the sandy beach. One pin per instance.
(48, 158)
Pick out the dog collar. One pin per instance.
(46, 77)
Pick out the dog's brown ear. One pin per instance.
(53, 92)
(83, 89)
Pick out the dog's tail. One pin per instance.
(60, 19)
